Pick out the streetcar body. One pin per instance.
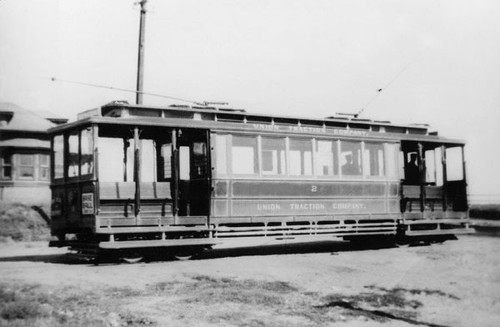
(137, 177)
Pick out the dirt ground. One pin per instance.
(456, 283)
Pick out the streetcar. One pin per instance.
(130, 179)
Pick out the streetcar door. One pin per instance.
(193, 173)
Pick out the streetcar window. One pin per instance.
(87, 148)
(433, 167)
(350, 158)
(373, 159)
(113, 154)
(273, 156)
(73, 162)
(184, 163)
(326, 158)
(300, 157)
(411, 168)
(221, 154)
(58, 156)
(244, 155)
(148, 160)
(454, 164)
(165, 162)
(392, 161)
(430, 167)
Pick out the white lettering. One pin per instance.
(268, 206)
(307, 206)
(344, 206)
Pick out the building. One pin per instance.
(25, 154)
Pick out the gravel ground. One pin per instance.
(456, 283)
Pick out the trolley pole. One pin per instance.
(140, 59)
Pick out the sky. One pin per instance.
(436, 61)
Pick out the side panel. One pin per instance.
(247, 198)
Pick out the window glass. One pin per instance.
(439, 167)
(148, 161)
(244, 155)
(430, 167)
(273, 156)
(433, 167)
(326, 158)
(44, 167)
(221, 154)
(6, 167)
(115, 163)
(58, 156)
(300, 157)
(373, 159)
(27, 166)
(165, 163)
(73, 160)
(87, 159)
(454, 164)
(411, 168)
(184, 163)
(350, 158)
(393, 169)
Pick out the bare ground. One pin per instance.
(456, 283)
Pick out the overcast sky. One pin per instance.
(438, 62)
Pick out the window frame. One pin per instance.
(256, 159)
(43, 167)
(20, 166)
(280, 167)
(367, 160)
(3, 165)
(359, 163)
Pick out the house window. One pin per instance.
(6, 167)
(26, 166)
(44, 167)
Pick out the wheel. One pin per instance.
(132, 257)
(183, 257)
(186, 253)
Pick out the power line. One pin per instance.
(53, 79)
(382, 89)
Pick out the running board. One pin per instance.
(114, 245)
(454, 231)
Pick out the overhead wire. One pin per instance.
(380, 90)
(53, 79)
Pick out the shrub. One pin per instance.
(21, 223)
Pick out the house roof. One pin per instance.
(51, 116)
(22, 119)
(25, 143)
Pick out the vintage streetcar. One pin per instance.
(129, 180)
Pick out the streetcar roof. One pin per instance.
(223, 119)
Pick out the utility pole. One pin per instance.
(140, 59)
